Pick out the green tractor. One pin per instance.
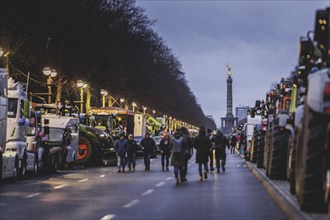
(95, 147)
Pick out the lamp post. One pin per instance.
(153, 113)
(133, 106)
(6, 59)
(144, 109)
(51, 73)
(121, 100)
(104, 93)
(82, 85)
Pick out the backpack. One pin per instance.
(177, 145)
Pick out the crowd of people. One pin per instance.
(176, 150)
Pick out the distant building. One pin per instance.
(241, 113)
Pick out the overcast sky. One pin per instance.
(258, 38)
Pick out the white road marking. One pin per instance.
(169, 178)
(84, 180)
(60, 186)
(131, 203)
(108, 217)
(102, 176)
(32, 195)
(2, 204)
(238, 165)
(244, 165)
(160, 184)
(149, 191)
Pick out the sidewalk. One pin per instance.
(279, 190)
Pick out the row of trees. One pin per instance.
(108, 43)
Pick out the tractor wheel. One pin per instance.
(326, 165)
(309, 185)
(291, 163)
(255, 147)
(261, 149)
(278, 158)
(85, 149)
(34, 172)
(268, 146)
(22, 169)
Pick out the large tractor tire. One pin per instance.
(309, 182)
(278, 154)
(85, 150)
(255, 146)
(261, 149)
(268, 147)
(326, 164)
(22, 169)
(291, 164)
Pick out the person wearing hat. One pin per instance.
(121, 148)
(148, 145)
(131, 152)
(165, 151)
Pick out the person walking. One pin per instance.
(178, 155)
(220, 150)
(131, 152)
(202, 144)
(211, 155)
(188, 151)
(121, 148)
(148, 145)
(165, 151)
(233, 142)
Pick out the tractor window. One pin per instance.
(31, 129)
(287, 104)
(12, 107)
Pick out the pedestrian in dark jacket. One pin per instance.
(148, 145)
(189, 145)
(211, 155)
(220, 150)
(233, 142)
(178, 155)
(165, 151)
(202, 144)
(131, 152)
(121, 148)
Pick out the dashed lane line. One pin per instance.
(108, 217)
(159, 184)
(60, 186)
(32, 195)
(131, 203)
(84, 180)
(169, 178)
(148, 192)
(102, 176)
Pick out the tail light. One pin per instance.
(326, 92)
(326, 96)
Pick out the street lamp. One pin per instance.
(144, 109)
(51, 73)
(82, 85)
(104, 93)
(153, 112)
(133, 106)
(5, 55)
(121, 101)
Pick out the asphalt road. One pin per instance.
(102, 193)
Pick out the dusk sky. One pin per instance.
(258, 38)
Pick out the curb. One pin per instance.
(290, 209)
